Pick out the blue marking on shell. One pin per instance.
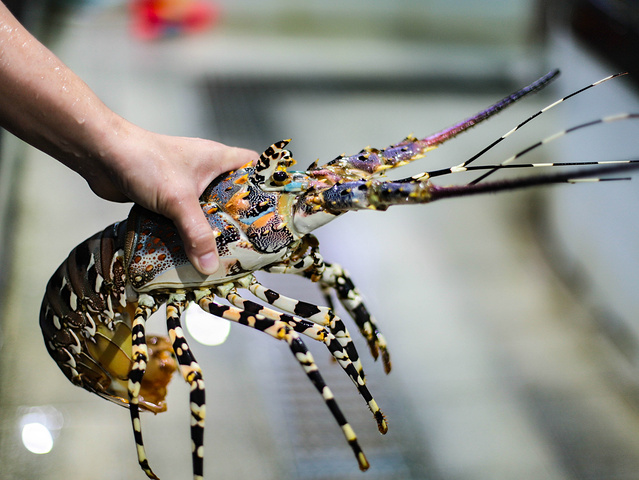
(250, 220)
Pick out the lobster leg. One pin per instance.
(318, 314)
(140, 356)
(336, 278)
(321, 334)
(281, 331)
(193, 375)
(287, 268)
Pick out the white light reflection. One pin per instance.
(204, 327)
(37, 438)
(39, 428)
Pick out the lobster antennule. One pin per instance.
(352, 183)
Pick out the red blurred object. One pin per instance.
(153, 19)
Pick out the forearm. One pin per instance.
(44, 103)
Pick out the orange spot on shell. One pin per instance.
(263, 220)
(237, 203)
(241, 180)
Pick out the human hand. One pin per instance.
(167, 175)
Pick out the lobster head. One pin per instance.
(321, 193)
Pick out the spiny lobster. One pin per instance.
(97, 303)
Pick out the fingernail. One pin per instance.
(209, 263)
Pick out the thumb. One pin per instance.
(198, 237)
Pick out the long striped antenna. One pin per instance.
(584, 175)
(543, 110)
(464, 167)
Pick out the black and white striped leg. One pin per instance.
(321, 334)
(281, 331)
(299, 267)
(321, 315)
(336, 278)
(140, 355)
(192, 375)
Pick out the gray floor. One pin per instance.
(500, 370)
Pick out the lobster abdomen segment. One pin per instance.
(86, 318)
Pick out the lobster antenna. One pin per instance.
(554, 164)
(561, 100)
(585, 175)
(451, 132)
(520, 125)
(464, 166)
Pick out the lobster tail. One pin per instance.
(85, 318)
(66, 316)
(80, 288)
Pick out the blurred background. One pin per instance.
(512, 319)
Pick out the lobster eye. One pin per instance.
(280, 177)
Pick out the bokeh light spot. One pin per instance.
(37, 438)
(206, 328)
